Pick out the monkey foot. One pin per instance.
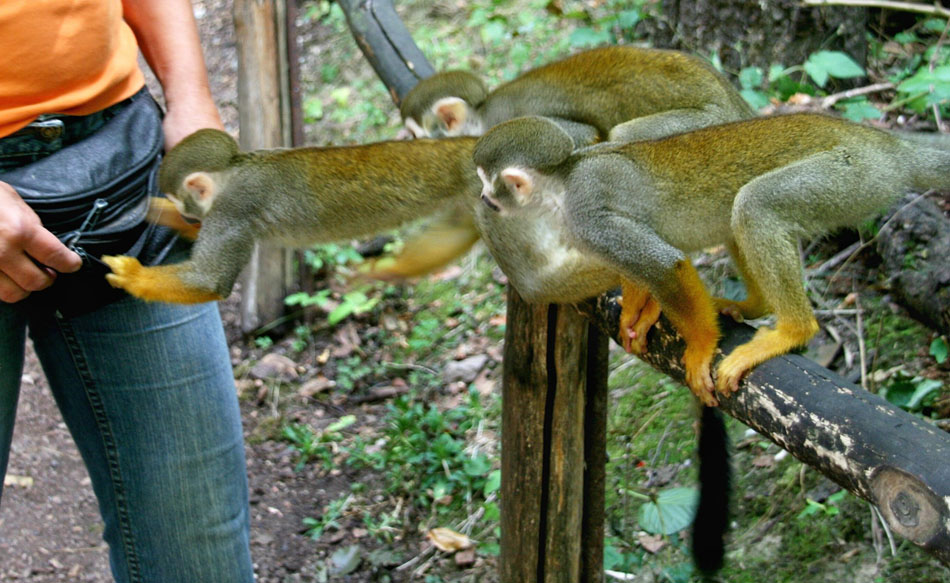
(767, 343)
(730, 372)
(639, 312)
(739, 311)
(699, 379)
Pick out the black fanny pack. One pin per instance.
(94, 195)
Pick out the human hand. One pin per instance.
(30, 256)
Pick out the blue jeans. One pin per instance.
(148, 395)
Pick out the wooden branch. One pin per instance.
(827, 102)
(387, 45)
(936, 9)
(868, 446)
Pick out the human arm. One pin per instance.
(168, 37)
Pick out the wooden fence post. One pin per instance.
(553, 440)
(263, 111)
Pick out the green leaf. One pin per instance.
(313, 108)
(906, 37)
(346, 560)
(751, 77)
(939, 349)
(341, 423)
(811, 508)
(922, 390)
(817, 73)
(860, 110)
(341, 95)
(835, 64)
(628, 19)
(477, 466)
(678, 573)
(935, 25)
(672, 512)
(756, 99)
(613, 558)
(776, 72)
(493, 483)
(588, 37)
(494, 32)
(339, 313)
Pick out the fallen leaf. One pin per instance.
(651, 543)
(447, 540)
(764, 461)
(465, 558)
(315, 385)
(274, 365)
(346, 560)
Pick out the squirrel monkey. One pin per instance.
(291, 196)
(667, 91)
(756, 185)
(652, 92)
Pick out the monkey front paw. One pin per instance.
(635, 326)
(639, 312)
(125, 271)
(155, 284)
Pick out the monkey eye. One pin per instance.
(490, 203)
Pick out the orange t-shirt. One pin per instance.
(71, 57)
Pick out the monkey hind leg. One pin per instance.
(690, 308)
(715, 485)
(161, 284)
(438, 244)
(754, 306)
(766, 220)
(162, 211)
(639, 312)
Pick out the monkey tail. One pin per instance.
(715, 479)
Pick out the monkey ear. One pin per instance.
(453, 111)
(520, 183)
(200, 186)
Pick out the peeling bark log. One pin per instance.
(915, 246)
(868, 446)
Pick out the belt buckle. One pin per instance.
(48, 129)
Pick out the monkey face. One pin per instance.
(508, 190)
(488, 191)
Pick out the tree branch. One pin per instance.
(936, 9)
(868, 446)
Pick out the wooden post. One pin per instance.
(554, 398)
(262, 94)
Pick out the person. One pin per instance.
(146, 390)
